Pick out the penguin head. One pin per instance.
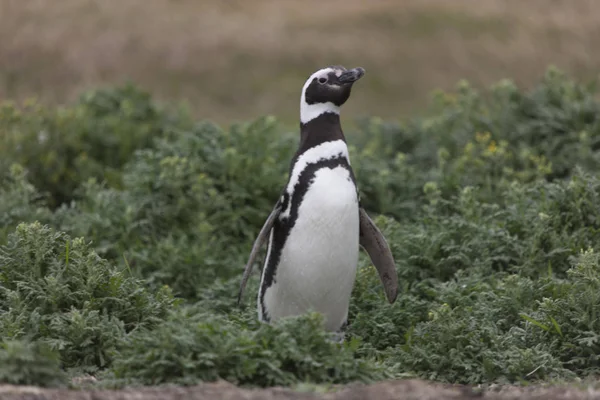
(326, 90)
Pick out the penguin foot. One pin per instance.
(338, 337)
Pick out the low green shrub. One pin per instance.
(56, 290)
(63, 147)
(19, 202)
(24, 363)
(490, 293)
(206, 191)
(487, 140)
(193, 346)
(490, 205)
(508, 329)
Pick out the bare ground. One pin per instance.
(237, 59)
(392, 390)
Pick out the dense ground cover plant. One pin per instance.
(195, 345)
(491, 205)
(58, 291)
(62, 147)
(26, 363)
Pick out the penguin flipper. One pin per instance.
(372, 240)
(258, 243)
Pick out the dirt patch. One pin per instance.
(396, 390)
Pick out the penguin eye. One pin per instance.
(322, 80)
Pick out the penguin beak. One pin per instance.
(352, 75)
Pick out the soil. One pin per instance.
(397, 390)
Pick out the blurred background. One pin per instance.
(232, 60)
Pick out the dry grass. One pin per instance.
(237, 59)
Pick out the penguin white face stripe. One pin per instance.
(324, 151)
(308, 112)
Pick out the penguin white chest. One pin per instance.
(317, 267)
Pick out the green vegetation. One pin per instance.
(25, 363)
(125, 229)
(194, 345)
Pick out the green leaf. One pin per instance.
(533, 321)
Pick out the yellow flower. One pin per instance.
(482, 137)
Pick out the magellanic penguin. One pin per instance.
(318, 224)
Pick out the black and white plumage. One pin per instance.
(317, 226)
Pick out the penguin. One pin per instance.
(318, 225)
